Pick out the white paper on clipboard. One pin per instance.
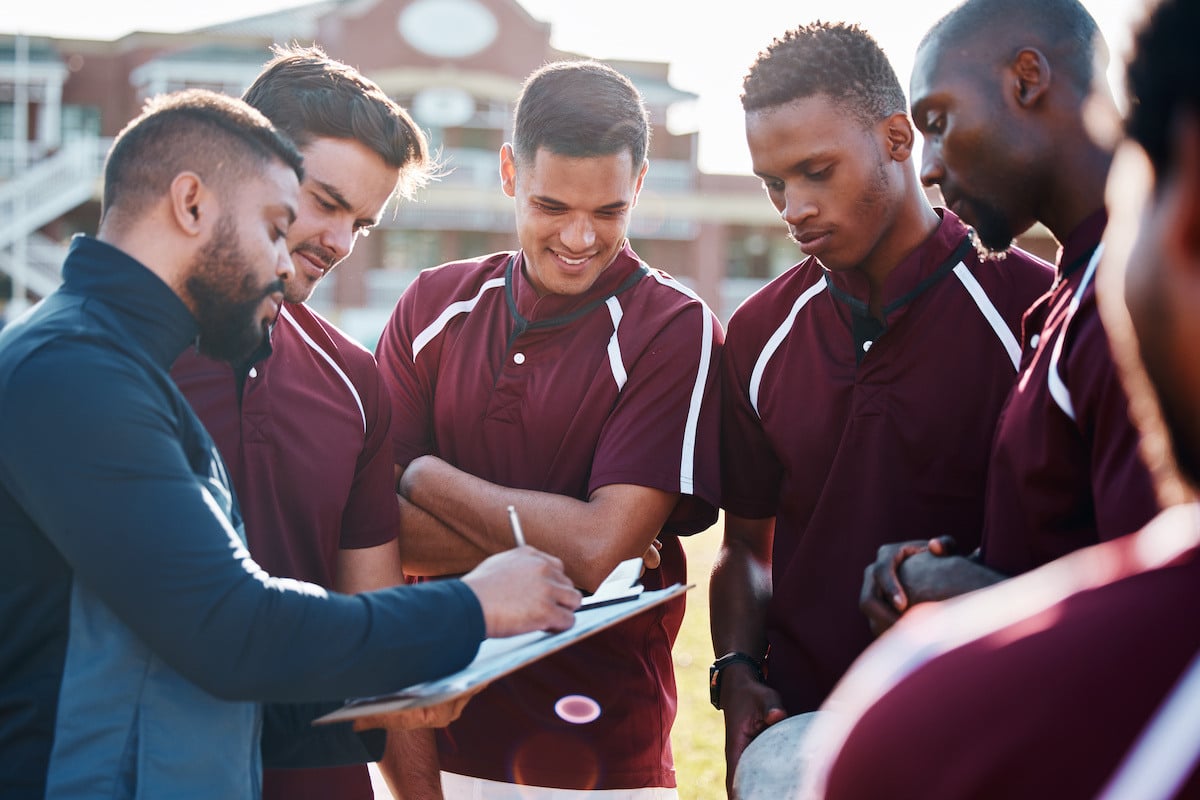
(498, 657)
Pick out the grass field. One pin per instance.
(698, 739)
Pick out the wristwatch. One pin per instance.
(714, 673)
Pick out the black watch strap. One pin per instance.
(714, 673)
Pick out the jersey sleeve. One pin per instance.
(663, 432)
(93, 456)
(750, 472)
(409, 387)
(371, 516)
(1122, 488)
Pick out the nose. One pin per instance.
(285, 270)
(579, 234)
(339, 239)
(932, 170)
(797, 207)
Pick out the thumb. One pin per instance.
(774, 715)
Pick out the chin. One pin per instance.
(299, 294)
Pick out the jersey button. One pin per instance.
(253, 372)
(518, 358)
(867, 346)
(1033, 340)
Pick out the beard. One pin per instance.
(992, 228)
(226, 299)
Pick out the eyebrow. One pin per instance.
(616, 205)
(803, 164)
(341, 200)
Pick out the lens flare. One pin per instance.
(577, 709)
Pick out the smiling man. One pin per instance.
(303, 421)
(574, 382)
(860, 388)
(138, 639)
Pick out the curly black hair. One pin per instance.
(835, 59)
(1161, 79)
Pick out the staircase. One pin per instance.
(45, 191)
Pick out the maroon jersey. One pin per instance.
(306, 440)
(1065, 469)
(853, 433)
(1078, 680)
(566, 394)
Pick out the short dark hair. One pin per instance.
(1161, 79)
(1064, 26)
(580, 109)
(309, 95)
(840, 61)
(218, 137)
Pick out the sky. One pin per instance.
(708, 52)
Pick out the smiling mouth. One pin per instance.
(573, 262)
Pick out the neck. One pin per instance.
(153, 248)
(1076, 191)
(914, 223)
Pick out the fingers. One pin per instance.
(523, 590)
(880, 613)
(943, 546)
(652, 558)
(437, 716)
(773, 716)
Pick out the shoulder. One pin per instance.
(1015, 268)
(305, 322)
(461, 279)
(768, 307)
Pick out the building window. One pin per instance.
(80, 122)
(411, 250)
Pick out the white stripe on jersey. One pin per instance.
(1167, 750)
(990, 313)
(614, 346)
(687, 461)
(777, 338)
(1058, 388)
(285, 314)
(450, 312)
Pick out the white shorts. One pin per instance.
(462, 787)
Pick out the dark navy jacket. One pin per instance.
(137, 637)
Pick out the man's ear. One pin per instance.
(508, 170)
(898, 130)
(193, 206)
(641, 179)
(1180, 196)
(1030, 76)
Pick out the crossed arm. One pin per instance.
(451, 520)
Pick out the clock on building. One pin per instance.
(448, 28)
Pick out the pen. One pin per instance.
(515, 523)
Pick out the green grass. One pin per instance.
(698, 739)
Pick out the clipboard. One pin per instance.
(499, 657)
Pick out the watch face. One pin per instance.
(448, 28)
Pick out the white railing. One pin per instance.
(50, 188)
(43, 260)
(38, 195)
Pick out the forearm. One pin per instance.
(591, 537)
(430, 548)
(739, 592)
(410, 765)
